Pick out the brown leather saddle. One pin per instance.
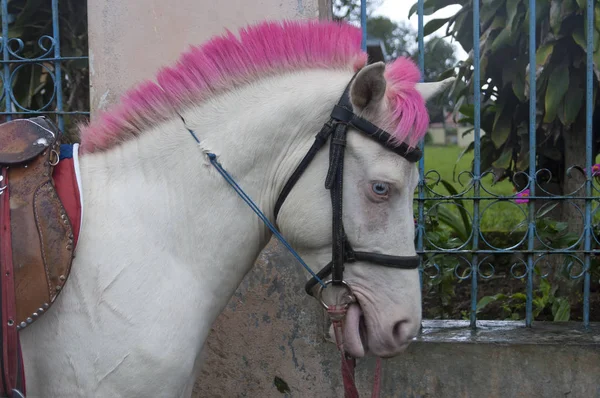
(41, 234)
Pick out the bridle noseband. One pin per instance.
(336, 128)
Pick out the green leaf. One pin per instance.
(449, 217)
(467, 110)
(434, 25)
(513, 74)
(502, 40)
(498, 23)
(469, 148)
(518, 86)
(561, 309)
(542, 9)
(467, 132)
(519, 296)
(461, 209)
(502, 124)
(543, 54)
(488, 153)
(489, 11)
(281, 385)
(582, 4)
(426, 11)
(579, 37)
(547, 210)
(431, 6)
(596, 36)
(572, 103)
(557, 87)
(555, 16)
(512, 8)
(463, 26)
(504, 160)
(487, 300)
(561, 226)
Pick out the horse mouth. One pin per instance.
(355, 332)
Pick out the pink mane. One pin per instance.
(264, 49)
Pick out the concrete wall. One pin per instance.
(272, 334)
(130, 40)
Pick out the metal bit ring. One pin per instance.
(349, 294)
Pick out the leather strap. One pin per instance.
(335, 183)
(343, 113)
(320, 140)
(13, 376)
(402, 262)
(384, 260)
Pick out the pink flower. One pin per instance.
(522, 197)
(595, 170)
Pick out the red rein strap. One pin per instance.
(337, 316)
(13, 376)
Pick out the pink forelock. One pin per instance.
(409, 112)
(263, 49)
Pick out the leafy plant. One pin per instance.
(560, 84)
(449, 229)
(544, 298)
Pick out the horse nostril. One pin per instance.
(397, 331)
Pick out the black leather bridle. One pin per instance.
(336, 128)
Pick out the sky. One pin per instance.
(397, 10)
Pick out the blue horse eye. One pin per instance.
(381, 188)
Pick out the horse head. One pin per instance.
(374, 207)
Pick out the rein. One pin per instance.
(334, 130)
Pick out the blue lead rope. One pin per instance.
(213, 159)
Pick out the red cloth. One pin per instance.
(65, 181)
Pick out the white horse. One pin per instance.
(166, 241)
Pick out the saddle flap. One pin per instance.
(24, 139)
(42, 240)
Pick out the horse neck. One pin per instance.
(161, 190)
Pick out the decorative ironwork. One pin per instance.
(43, 58)
(529, 253)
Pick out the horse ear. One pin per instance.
(368, 88)
(429, 90)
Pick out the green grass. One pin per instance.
(500, 216)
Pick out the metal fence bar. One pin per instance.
(532, 163)
(5, 56)
(476, 162)
(363, 23)
(531, 251)
(588, 160)
(421, 187)
(57, 65)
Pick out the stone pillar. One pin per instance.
(130, 40)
